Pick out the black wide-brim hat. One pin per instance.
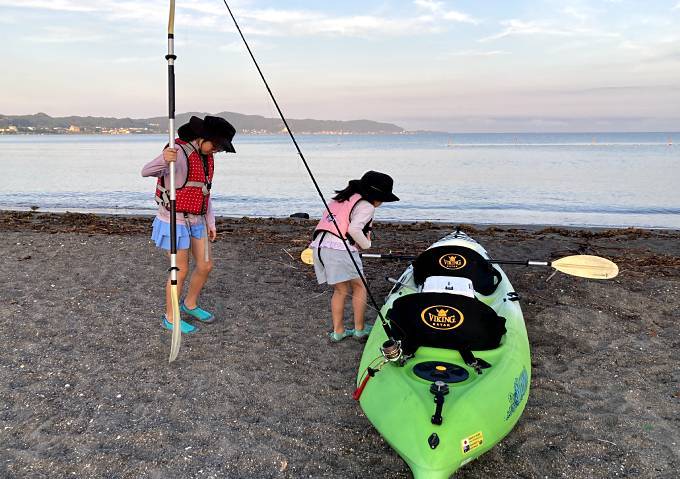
(212, 128)
(376, 186)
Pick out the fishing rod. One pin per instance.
(174, 293)
(386, 326)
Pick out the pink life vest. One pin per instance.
(341, 211)
(193, 196)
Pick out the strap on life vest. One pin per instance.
(206, 170)
(206, 250)
(318, 250)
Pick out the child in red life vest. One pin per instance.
(193, 154)
(353, 209)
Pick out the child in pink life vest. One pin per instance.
(193, 154)
(353, 209)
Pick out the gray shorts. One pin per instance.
(337, 265)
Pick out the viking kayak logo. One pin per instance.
(520, 389)
(442, 318)
(452, 261)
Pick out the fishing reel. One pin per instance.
(391, 350)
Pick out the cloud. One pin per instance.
(479, 53)
(275, 22)
(364, 25)
(583, 15)
(677, 7)
(59, 5)
(516, 27)
(232, 47)
(267, 22)
(124, 60)
(66, 35)
(437, 9)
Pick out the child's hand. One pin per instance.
(170, 155)
(212, 233)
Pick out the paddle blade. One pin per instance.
(176, 325)
(307, 256)
(586, 266)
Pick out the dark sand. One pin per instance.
(86, 390)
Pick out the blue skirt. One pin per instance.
(160, 234)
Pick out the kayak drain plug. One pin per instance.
(433, 440)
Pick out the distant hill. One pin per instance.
(248, 124)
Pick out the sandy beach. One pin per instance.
(86, 390)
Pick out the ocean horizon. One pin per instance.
(613, 179)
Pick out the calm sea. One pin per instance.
(612, 179)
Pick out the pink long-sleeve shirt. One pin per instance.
(158, 167)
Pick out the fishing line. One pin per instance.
(386, 327)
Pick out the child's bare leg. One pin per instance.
(200, 274)
(359, 296)
(340, 292)
(182, 260)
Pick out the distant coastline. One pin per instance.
(43, 124)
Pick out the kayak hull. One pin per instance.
(477, 412)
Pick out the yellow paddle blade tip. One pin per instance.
(307, 256)
(587, 266)
(176, 340)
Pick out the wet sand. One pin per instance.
(86, 390)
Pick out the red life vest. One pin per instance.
(194, 195)
(342, 212)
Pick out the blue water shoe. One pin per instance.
(187, 328)
(363, 333)
(337, 337)
(197, 313)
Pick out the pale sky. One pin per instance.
(447, 65)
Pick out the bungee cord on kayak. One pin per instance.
(384, 323)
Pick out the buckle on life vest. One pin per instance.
(164, 198)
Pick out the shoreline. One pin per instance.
(86, 390)
(476, 226)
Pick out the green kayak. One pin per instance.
(456, 379)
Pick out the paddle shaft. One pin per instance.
(386, 256)
(495, 261)
(584, 266)
(520, 262)
(174, 293)
(171, 57)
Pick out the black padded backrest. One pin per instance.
(443, 320)
(457, 261)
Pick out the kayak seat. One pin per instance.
(444, 320)
(457, 261)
